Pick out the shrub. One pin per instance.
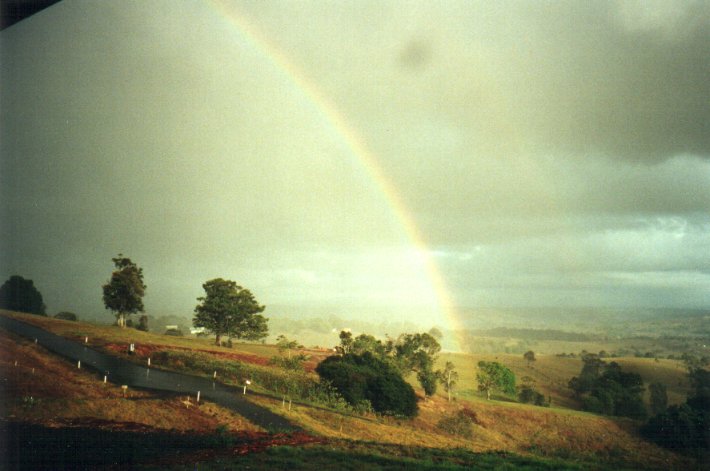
(174, 332)
(143, 323)
(64, 315)
(365, 377)
(460, 423)
(528, 395)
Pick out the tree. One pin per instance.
(606, 389)
(368, 343)
(19, 294)
(591, 370)
(123, 293)
(428, 379)
(229, 309)
(448, 378)
(346, 342)
(360, 378)
(492, 376)
(529, 357)
(685, 426)
(659, 398)
(417, 353)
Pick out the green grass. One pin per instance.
(375, 457)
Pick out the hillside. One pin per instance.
(64, 397)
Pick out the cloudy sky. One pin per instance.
(360, 158)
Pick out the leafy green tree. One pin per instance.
(360, 378)
(19, 294)
(448, 378)
(417, 353)
(229, 309)
(606, 389)
(123, 293)
(428, 379)
(685, 426)
(680, 427)
(591, 370)
(367, 343)
(492, 376)
(659, 398)
(346, 342)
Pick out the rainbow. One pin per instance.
(366, 158)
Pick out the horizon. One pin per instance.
(411, 162)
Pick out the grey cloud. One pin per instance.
(574, 79)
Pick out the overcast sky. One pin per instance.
(547, 154)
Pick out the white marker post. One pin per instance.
(86, 339)
(125, 390)
(245, 385)
(105, 378)
(198, 396)
(78, 364)
(214, 376)
(148, 361)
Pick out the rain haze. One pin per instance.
(412, 161)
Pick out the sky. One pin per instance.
(371, 159)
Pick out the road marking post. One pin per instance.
(198, 396)
(78, 364)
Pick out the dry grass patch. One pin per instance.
(498, 426)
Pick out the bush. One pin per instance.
(528, 395)
(460, 423)
(364, 377)
(298, 386)
(143, 323)
(67, 316)
(174, 332)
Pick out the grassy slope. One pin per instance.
(551, 374)
(63, 394)
(554, 432)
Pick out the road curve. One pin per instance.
(123, 372)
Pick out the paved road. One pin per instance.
(124, 372)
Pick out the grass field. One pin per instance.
(506, 435)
